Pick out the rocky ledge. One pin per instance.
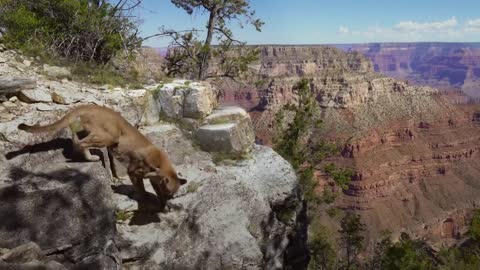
(237, 211)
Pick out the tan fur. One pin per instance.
(107, 128)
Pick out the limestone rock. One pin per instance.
(234, 138)
(9, 104)
(58, 98)
(26, 257)
(35, 95)
(63, 207)
(43, 107)
(56, 72)
(227, 219)
(181, 99)
(200, 99)
(229, 130)
(10, 85)
(226, 115)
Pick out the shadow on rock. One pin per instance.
(60, 143)
(55, 144)
(149, 205)
(57, 208)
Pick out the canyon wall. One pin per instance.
(415, 154)
(442, 65)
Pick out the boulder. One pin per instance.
(11, 85)
(28, 257)
(64, 207)
(56, 72)
(234, 138)
(227, 115)
(181, 99)
(200, 99)
(229, 130)
(44, 107)
(35, 95)
(235, 216)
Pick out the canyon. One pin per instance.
(415, 153)
(447, 66)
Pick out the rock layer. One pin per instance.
(415, 154)
(440, 65)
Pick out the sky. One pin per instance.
(332, 21)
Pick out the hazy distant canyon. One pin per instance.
(447, 66)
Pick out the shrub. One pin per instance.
(78, 30)
(341, 176)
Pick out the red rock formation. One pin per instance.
(416, 156)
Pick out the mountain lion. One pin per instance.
(107, 128)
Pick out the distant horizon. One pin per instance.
(340, 44)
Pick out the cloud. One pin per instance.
(443, 26)
(449, 30)
(473, 25)
(343, 30)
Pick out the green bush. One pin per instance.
(341, 176)
(78, 30)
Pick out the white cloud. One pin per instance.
(473, 25)
(343, 30)
(443, 26)
(449, 30)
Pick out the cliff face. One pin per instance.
(232, 214)
(440, 65)
(415, 154)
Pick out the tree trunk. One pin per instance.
(203, 66)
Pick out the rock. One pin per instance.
(2, 48)
(170, 102)
(11, 85)
(229, 218)
(7, 116)
(68, 93)
(2, 60)
(24, 253)
(57, 98)
(9, 104)
(56, 72)
(144, 104)
(200, 99)
(13, 99)
(226, 115)
(180, 99)
(104, 87)
(63, 207)
(28, 256)
(27, 63)
(229, 130)
(230, 138)
(43, 107)
(35, 95)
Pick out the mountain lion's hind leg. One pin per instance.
(85, 152)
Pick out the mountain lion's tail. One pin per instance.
(62, 123)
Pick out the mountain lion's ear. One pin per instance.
(182, 181)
